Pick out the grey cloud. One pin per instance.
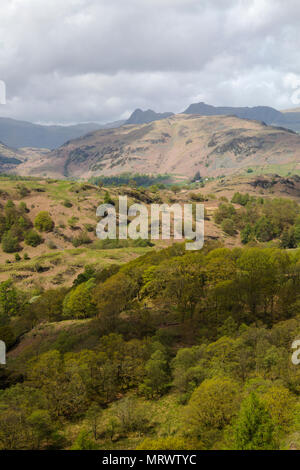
(94, 60)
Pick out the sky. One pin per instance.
(68, 61)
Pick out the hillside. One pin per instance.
(180, 145)
(62, 253)
(18, 134)
(110, 344)
(258, 113)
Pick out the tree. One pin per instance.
(10, 243)
(227, 226)
(131, 414)
(79, 302)
(84, 442)
(246, 234)
(93, 416)
(169, 443)
(9, 301)
(297, 231)
(280, 404)
(157, 378)
(32, 238)
(7, 335)
(254, 429)
(212, 406)
(43, 222)
(41, 427)
(264, 230)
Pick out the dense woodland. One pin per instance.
(200, 339)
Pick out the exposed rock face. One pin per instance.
(180, 144)
(144, 117)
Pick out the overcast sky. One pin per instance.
(97, 60)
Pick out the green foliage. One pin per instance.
(84, 442)
(81, 239)
(241, 199)
(254, 429)
(7, 335)
(125, 178)
(247, 234)
(227, 227)
(72, 221)
(67, 203)
(264, 230)
(168, 443)
(32, 238)
(43, 222)
(260, 220)
(157, 379)
(212, 406)
(166, 350)
(79, 302)
(10, 243)
(225, 211)
(108, 199)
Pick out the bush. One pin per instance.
(82, 239)
(51, 245)
(227, 226)
(198, 197)
(32, 238)
(67, 203)
(72, 222)
(43, 222)
(89, 227)
(10, 244)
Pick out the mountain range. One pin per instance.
(212, 140)
(18, 134)
(181, 145)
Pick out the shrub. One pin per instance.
(82, 239)
(32, 238)
(72, 222)
(197, 197)
(10, 244)
(67, 203)
(108, 199)
(51, 245)
(78, 303)
(89, 227)
(43, 222)
(227, 226)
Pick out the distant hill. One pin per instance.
(290, 119)
(178, 145)
(9, 158)
(144, 117)
(291, 110)
(17, 134)
(258, 113)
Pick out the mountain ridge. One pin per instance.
(179, 145)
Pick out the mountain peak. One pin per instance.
(143, 117)
(258, 113)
